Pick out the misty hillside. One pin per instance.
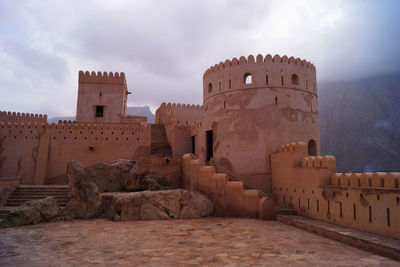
(138, 111)
(360, 123)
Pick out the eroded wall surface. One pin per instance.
(250, 119)
(38, 153)
(311, 186)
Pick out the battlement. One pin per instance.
(22, 117)
(376, 179)
(108, 78)
(173, 113)
(268, 71)
(318, 162)
(179, 106)
(293, 147)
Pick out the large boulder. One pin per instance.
(159, 205)
(110, 177)
(84, 194)
(33, 212)
(141, 181)
(86, 184)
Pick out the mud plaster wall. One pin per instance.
(251, 119)
(306, 187)
(177, 120)
(248, 126)
(19, 148)
(90, 143)
(108, 90)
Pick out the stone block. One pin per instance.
(233, 201)
(250, 203)
(266, 209)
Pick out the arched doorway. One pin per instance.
(312, 148)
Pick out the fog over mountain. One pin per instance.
(360, 123)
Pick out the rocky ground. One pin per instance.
(206, 241)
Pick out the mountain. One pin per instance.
(139, 111)
(360, 123)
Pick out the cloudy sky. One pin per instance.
(165, 46)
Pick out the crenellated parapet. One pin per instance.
(22, 117)
(268, 71)
(102, 77)
(176, 113)
(367, 180)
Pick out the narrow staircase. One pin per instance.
(159, 142)
(25, 193)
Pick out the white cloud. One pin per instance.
(165, 46)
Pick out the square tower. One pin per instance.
(102, 97)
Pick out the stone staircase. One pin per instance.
(159, 142)
(25, 193)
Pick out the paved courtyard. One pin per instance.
(207, 242)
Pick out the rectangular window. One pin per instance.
(219, 86)
(266, 80)
(230, 83)
(99, 111)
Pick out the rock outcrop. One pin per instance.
(84, 194)
(159, 205)
(140, 181)
(33, 212)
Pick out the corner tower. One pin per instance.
(102, 97)
(252, 106)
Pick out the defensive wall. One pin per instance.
(251, 106)
(311, 186)
(177, 120)
(230, 198)
(38, 153)
(22, 117)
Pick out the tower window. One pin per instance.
(247, 78)
(99, 111)
(282, 80)
(210, 87)
(230, 83)
(295, 79)
(219, 86)
(266, 79)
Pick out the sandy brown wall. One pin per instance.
(310, 186)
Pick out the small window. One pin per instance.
(306, 84)
(282, 80)
(230, 83)
(266, 79)
(312, 147)
(295, 79)
(210, 87)
(99, 111)
(247, 78)
(219, 86)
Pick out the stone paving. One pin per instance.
(205, 242)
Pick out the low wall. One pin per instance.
(7, 186)
(311, 186)
(230, 198)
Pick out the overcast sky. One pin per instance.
(164, 47)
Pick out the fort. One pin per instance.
(252, 147)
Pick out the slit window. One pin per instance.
(99, 111)
(210, 87)
(266, 79)
(230, 83)
(295, 79)
(219, 86)
(282, 80)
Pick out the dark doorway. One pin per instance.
(209, 144)
(312, 148)
(194, 144)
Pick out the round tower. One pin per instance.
(251, 107)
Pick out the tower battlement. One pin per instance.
(99, 77)
(268, 71)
